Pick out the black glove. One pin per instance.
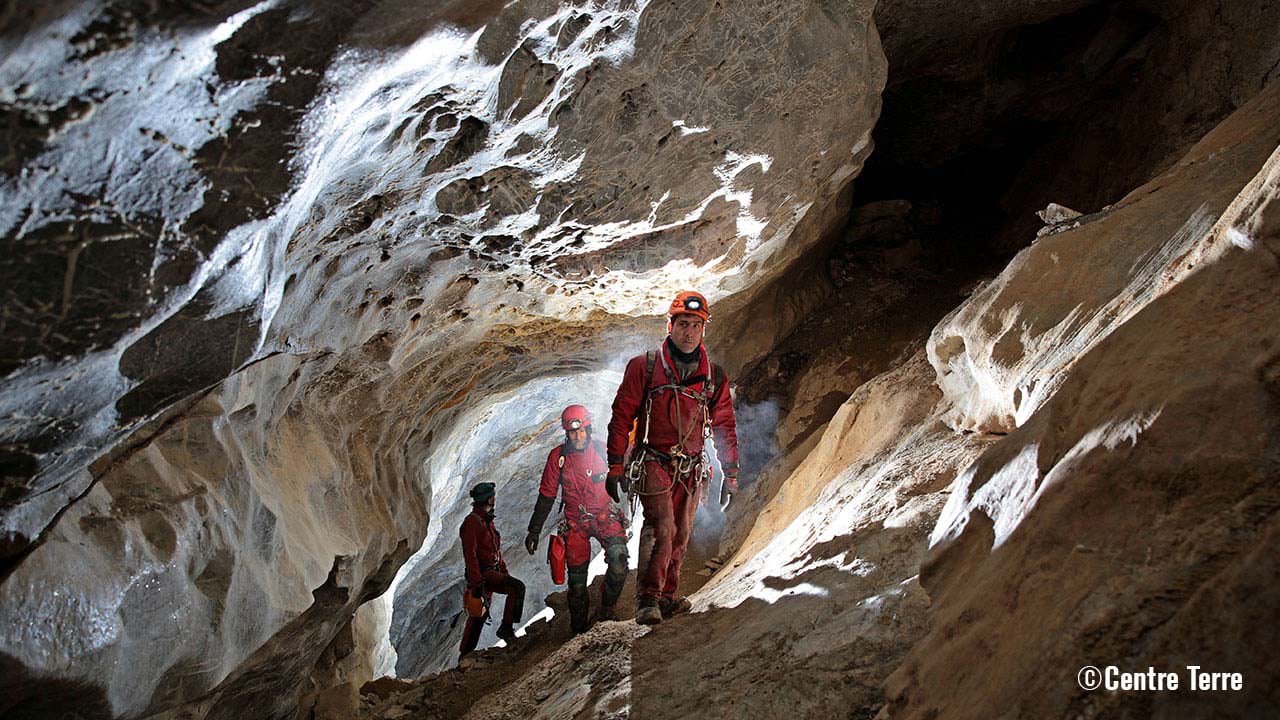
(616, 478)
(531, 542)
(729, 489)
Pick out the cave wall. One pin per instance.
(911, 564)
(1128, 517)
(266, 255)
(246, 531)
(871, 544)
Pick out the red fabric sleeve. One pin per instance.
(550, 486)
(724, 427)
(469, 532)
(626, 405)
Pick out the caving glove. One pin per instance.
(729, 489)
(615, 481)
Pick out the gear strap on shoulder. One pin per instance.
(711, 383)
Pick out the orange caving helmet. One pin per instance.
(690, 303)
(574, 417)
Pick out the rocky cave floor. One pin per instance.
(550, 672)
(548, 666)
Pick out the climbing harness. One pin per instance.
(682, 464)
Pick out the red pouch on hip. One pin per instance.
(556, 558)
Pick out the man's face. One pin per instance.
(686, 332)
(577, 438)
(489, 506)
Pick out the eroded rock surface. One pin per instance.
(904, 568)
(374, 232)
(1130, 517)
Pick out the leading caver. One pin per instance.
(576, 470)
(675, 398)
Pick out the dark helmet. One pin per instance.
(483, 493)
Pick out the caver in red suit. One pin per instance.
(576, 472)
(486, 570)
(675, 399)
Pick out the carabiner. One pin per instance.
(684, 465)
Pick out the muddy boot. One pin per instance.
(608, 612)
(648, 612)
(579, 607)
(506, 632)
(674, 606)
(579, 599)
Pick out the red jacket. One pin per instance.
(481, 547)
(583, 483)
(629, 407)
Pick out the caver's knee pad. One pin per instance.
(616, 555)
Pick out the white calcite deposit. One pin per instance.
(332, 240)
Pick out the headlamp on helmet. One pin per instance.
(690, 303)
(575, 417)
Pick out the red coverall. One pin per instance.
(487, 572)
(586, 503)
(676, 421)
(587, 514)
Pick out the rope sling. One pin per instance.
(682, 464)
(585, 517)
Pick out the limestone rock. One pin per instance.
(1053, 213)
(282, 279)
(242, 235)
(141, 140)
(1006, 350)
(1129, 517)
(385, 687)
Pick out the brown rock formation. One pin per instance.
(1128, 519)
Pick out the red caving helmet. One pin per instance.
(574, 417)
